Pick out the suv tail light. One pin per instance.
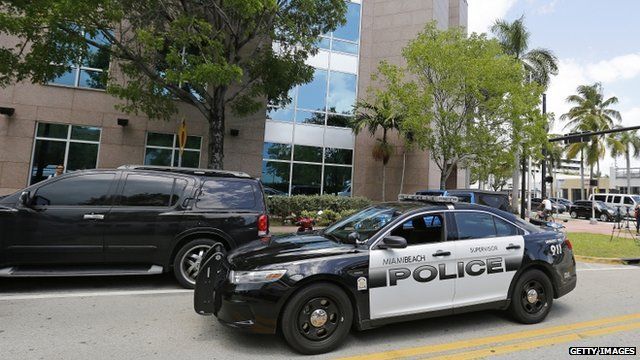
(566, 241)
(263, 225)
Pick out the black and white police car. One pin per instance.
(420, 257)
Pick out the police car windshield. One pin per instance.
(364, 223)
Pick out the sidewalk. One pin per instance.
(604, 228)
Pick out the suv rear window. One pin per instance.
(227, 194)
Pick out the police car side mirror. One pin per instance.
(25, 198)
(393, 242)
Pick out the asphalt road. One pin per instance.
(152, 318)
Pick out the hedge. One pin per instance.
(292, 206)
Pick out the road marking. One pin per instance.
(92, 294)
(610, 268)
(462, 344)
(527, 345)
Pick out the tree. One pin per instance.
(555, 152)
(590, 112)
(539, 64)
(628, 144)
(384, 111)
(208, 54)
(462, 99)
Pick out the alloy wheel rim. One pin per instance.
(318, 318)
(192, 260)
(534, 297)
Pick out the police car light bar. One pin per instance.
(429, 198)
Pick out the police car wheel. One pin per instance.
(574, 215)
(317, 319)
(532, 297)
(188, 260)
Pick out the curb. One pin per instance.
(607, 260)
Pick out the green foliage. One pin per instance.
(463, 97)
(209, 54)
(287, 206)
(327, 217)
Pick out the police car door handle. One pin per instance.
(93, 217)
(513, 247)
(442, 253)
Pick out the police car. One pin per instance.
(417, 258)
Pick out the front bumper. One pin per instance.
(251, 307)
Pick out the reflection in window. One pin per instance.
(338, 156)
(276, 151)
(336, 179)
(308, 117)
(338, 120)
(91, 70)
(53, 141)
(307, 153)
(80, 190)
(310, 95)
(164, 150)
(145, 190)
(226, 194)
(280, 114)
(276, 175)
(342, 92)
(306, 179)
(351, 29)
(345, 47)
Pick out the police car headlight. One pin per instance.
(253, 277)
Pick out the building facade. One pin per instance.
(304, 148)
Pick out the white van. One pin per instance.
(623, 201)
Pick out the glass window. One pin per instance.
(365, 223)
(351, 29)
(600, 197)
(164, 150)
(226, 194)
(342, 92)
(336, 179)
(276, 175)
(311, 96)
(503, 228)
(616, 199)
(345, 47)
(338, 120)
(148, 190)
(71, 146)
(280, 114)
(307, 153)
(306, 179)
(276, 151)
(88, 190)
(422, 229)
(474, 225)
(324, 43)
(308, 117)
(91, 70)
(338, 156)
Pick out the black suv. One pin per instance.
(132, 220)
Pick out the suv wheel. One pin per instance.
(188, 260)
(317, 319)
(574, 215)
(532, 297)
(604, 218)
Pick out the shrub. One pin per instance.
(286, 207)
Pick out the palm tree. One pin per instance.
(590, 112)
(555, 151)
(625, 143)
(539, 64)
(383, 114)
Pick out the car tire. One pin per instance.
(604, 218)
(188, 259)
(574, 215)
(317, 319)
(532, 297)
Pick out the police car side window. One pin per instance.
(421, 229)
(474, 225)
(503, 228)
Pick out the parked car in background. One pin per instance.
(563, 201)
(494, 199)
(623, 201)
(582, 209)
(273, 192)
(134, 220)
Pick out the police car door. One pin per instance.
(418, 278)
(489, 251)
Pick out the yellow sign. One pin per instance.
(182, 136)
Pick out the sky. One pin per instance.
(594, 40)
